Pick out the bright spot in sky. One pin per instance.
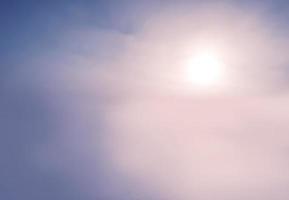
(205, 70)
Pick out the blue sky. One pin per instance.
(85, 103)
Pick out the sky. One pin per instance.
(97, 103)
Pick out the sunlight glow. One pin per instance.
(205, 70)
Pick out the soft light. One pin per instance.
(205, 70)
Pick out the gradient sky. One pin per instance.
(91, 109)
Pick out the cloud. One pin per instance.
(204, 148)
(127, 126)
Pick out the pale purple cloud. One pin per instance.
(127, 124)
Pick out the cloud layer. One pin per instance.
(126, 125)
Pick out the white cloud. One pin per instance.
(131, 112)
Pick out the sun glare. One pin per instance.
(205, 70)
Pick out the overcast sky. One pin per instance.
(93, 105)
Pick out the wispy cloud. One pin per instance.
(126, 125)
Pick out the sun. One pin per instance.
(205, 70)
